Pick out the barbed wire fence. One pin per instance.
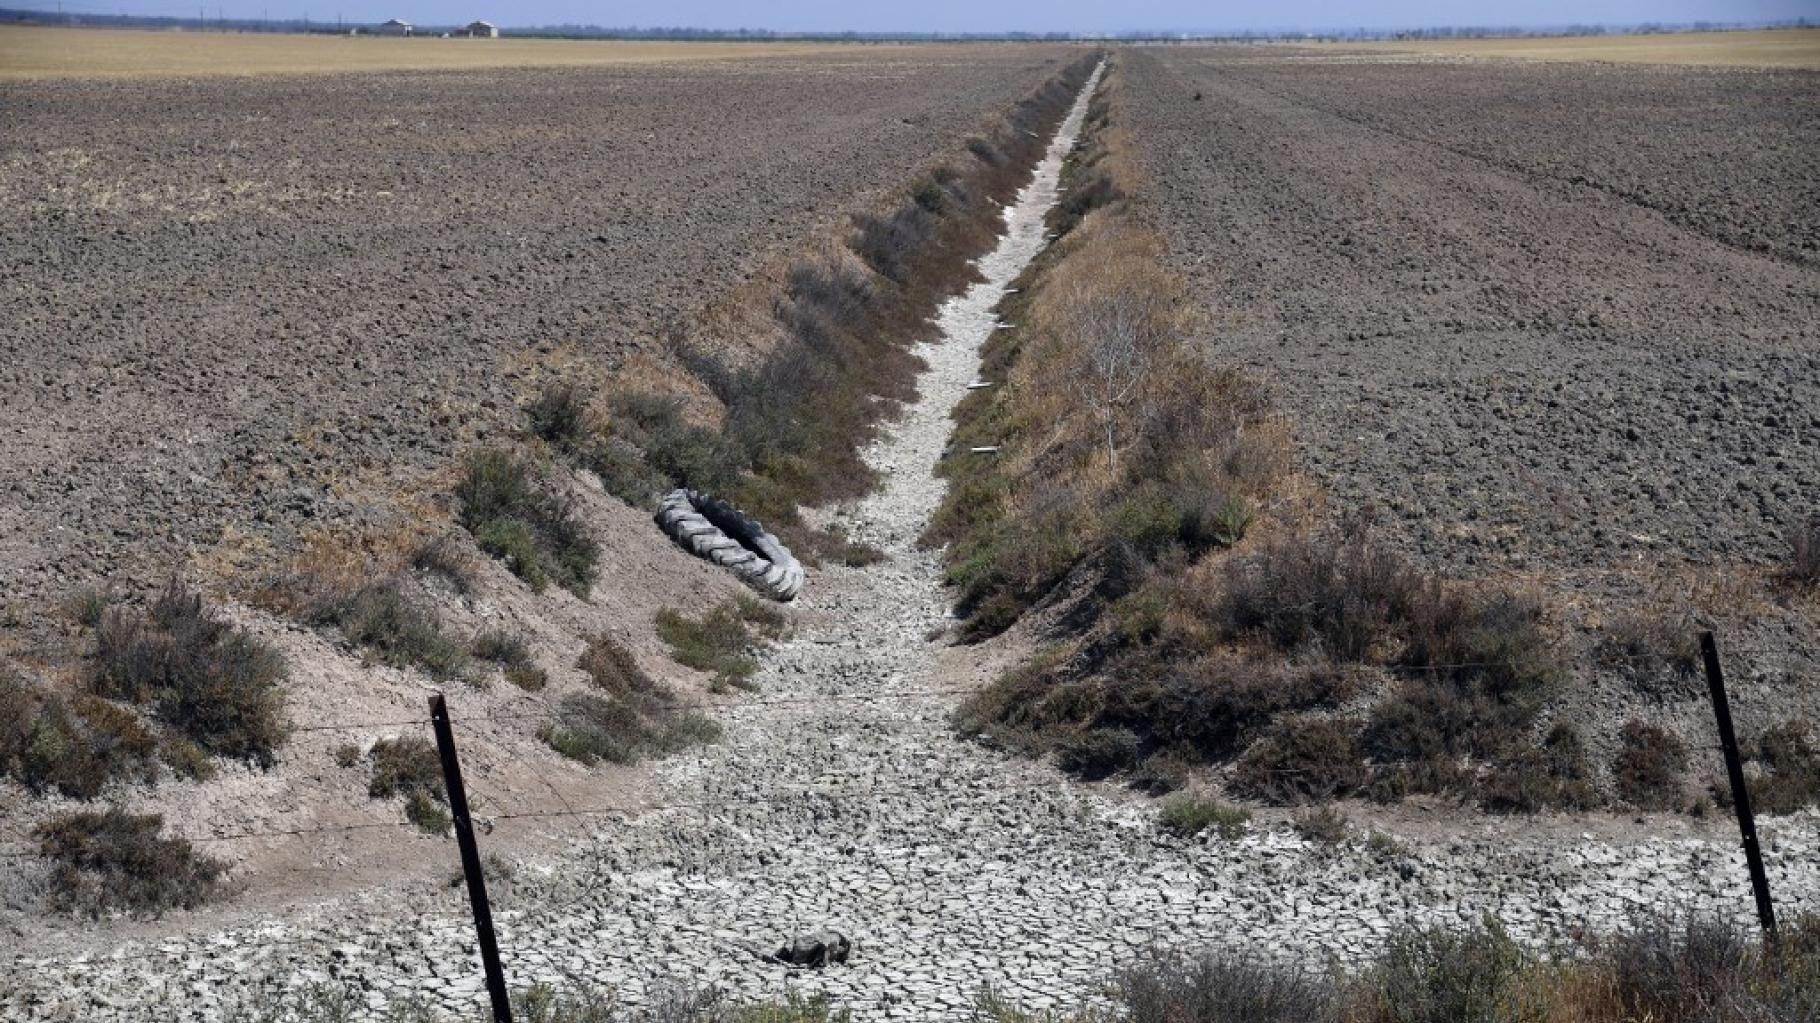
(474, 871)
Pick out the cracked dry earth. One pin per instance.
(839, 797)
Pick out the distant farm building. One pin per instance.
(397, 28)
(481, 30)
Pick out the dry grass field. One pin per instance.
(30, 52)
(1777, 48)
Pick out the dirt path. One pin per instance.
(839, 798)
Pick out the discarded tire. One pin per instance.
(710, 528)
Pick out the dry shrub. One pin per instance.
(1659, 648)
(1438, 975)
(114, 861)
(514, 510)
(410, 767)
(1791, 769)
(724, 641)
(1302, 760)
(1164, 987)
(1556, 776)
(559, 414)
(72, 747)
(396, 629)
(630, 717)
(512, 652)
(1647, 768)
(208, 679)
(445, 557)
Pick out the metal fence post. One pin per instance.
(1734, 770)
(470, 861)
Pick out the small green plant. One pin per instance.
(347, 755)
(514, 513)
(723, 641)
(116, 861)
(1232, 520)
(1188, 814)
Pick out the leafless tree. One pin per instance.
(1119, 332)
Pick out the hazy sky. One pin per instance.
(982, 15)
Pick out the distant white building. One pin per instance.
(481, 30)
(396, 27)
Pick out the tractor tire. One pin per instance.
(710, 528)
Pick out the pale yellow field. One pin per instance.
(1779, 48)
(37, 52)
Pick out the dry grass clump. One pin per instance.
(512, 652)
(211, 681)
(629, 716)
(409, 766)
(1119, 448)
(113, 861)
(515, 513)
(723, 641)
(1186, 815)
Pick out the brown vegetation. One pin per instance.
(115, 861)
(197, 673)
(626, 717)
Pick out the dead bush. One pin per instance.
(443, 556)
(1162, 987)
(213, 682)
(410, 767)
(559, 415)
(512, 652)
(1099, 753)
(1323, 825)
(74, 748)
(1343, 599)
(1678, 970)
(113, 861)
(515, 513)
(1647, 768)
(1556, 776)
(1658, 648)
(1791, 769)
(1302, 760)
